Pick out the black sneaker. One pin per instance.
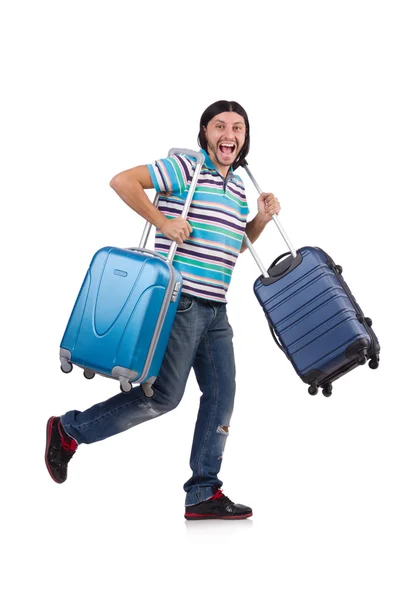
(218, 506)
(59, 450)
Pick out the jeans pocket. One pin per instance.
(185, 304)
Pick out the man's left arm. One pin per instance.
(268, 205)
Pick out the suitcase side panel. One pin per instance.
(375, 347)
(73, 327)
(120, 312)
(165, 333)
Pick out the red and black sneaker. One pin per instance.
(218, 506)
(59, 450)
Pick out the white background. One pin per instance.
(90, 89)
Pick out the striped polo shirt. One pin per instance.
(217, 214)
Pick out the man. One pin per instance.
(209, 242)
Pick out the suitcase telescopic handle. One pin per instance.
(275, 218)
(200, 161)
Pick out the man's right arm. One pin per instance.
(130, 186)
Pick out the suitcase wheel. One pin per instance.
(374, 362)
(66, 366)
(125, 386)
(327, 390)
(313, 389)
(88, 374)
(339, 269)
(362, 357)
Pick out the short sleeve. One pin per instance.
(173, 174)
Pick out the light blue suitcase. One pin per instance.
(123, 315)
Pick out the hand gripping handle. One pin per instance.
(275, 218)
(200, 161)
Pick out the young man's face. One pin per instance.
(225, 135)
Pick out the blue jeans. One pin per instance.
(201, 338)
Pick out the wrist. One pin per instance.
(260, 219)
(160, 221)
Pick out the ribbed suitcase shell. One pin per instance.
(116, 325)
(314, 318)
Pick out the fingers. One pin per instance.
(178, 230)
(271, 204)
(179, 238)
(266, 195)
(186, 229)
(273, 208)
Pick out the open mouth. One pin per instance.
(227, 149)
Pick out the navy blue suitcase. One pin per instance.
(313, 315)
(123, 315)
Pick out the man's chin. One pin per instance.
(226, 161)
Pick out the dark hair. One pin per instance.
(215, 109)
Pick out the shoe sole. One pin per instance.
(48, 440)
(195, 517)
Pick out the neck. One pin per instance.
(223, 170)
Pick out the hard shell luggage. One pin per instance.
(312, 314)
(122, 318)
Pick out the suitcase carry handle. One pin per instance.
(278, 258)
(200, 161)
(275, 218)
(146, 251)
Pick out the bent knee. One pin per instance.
(159, 401)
